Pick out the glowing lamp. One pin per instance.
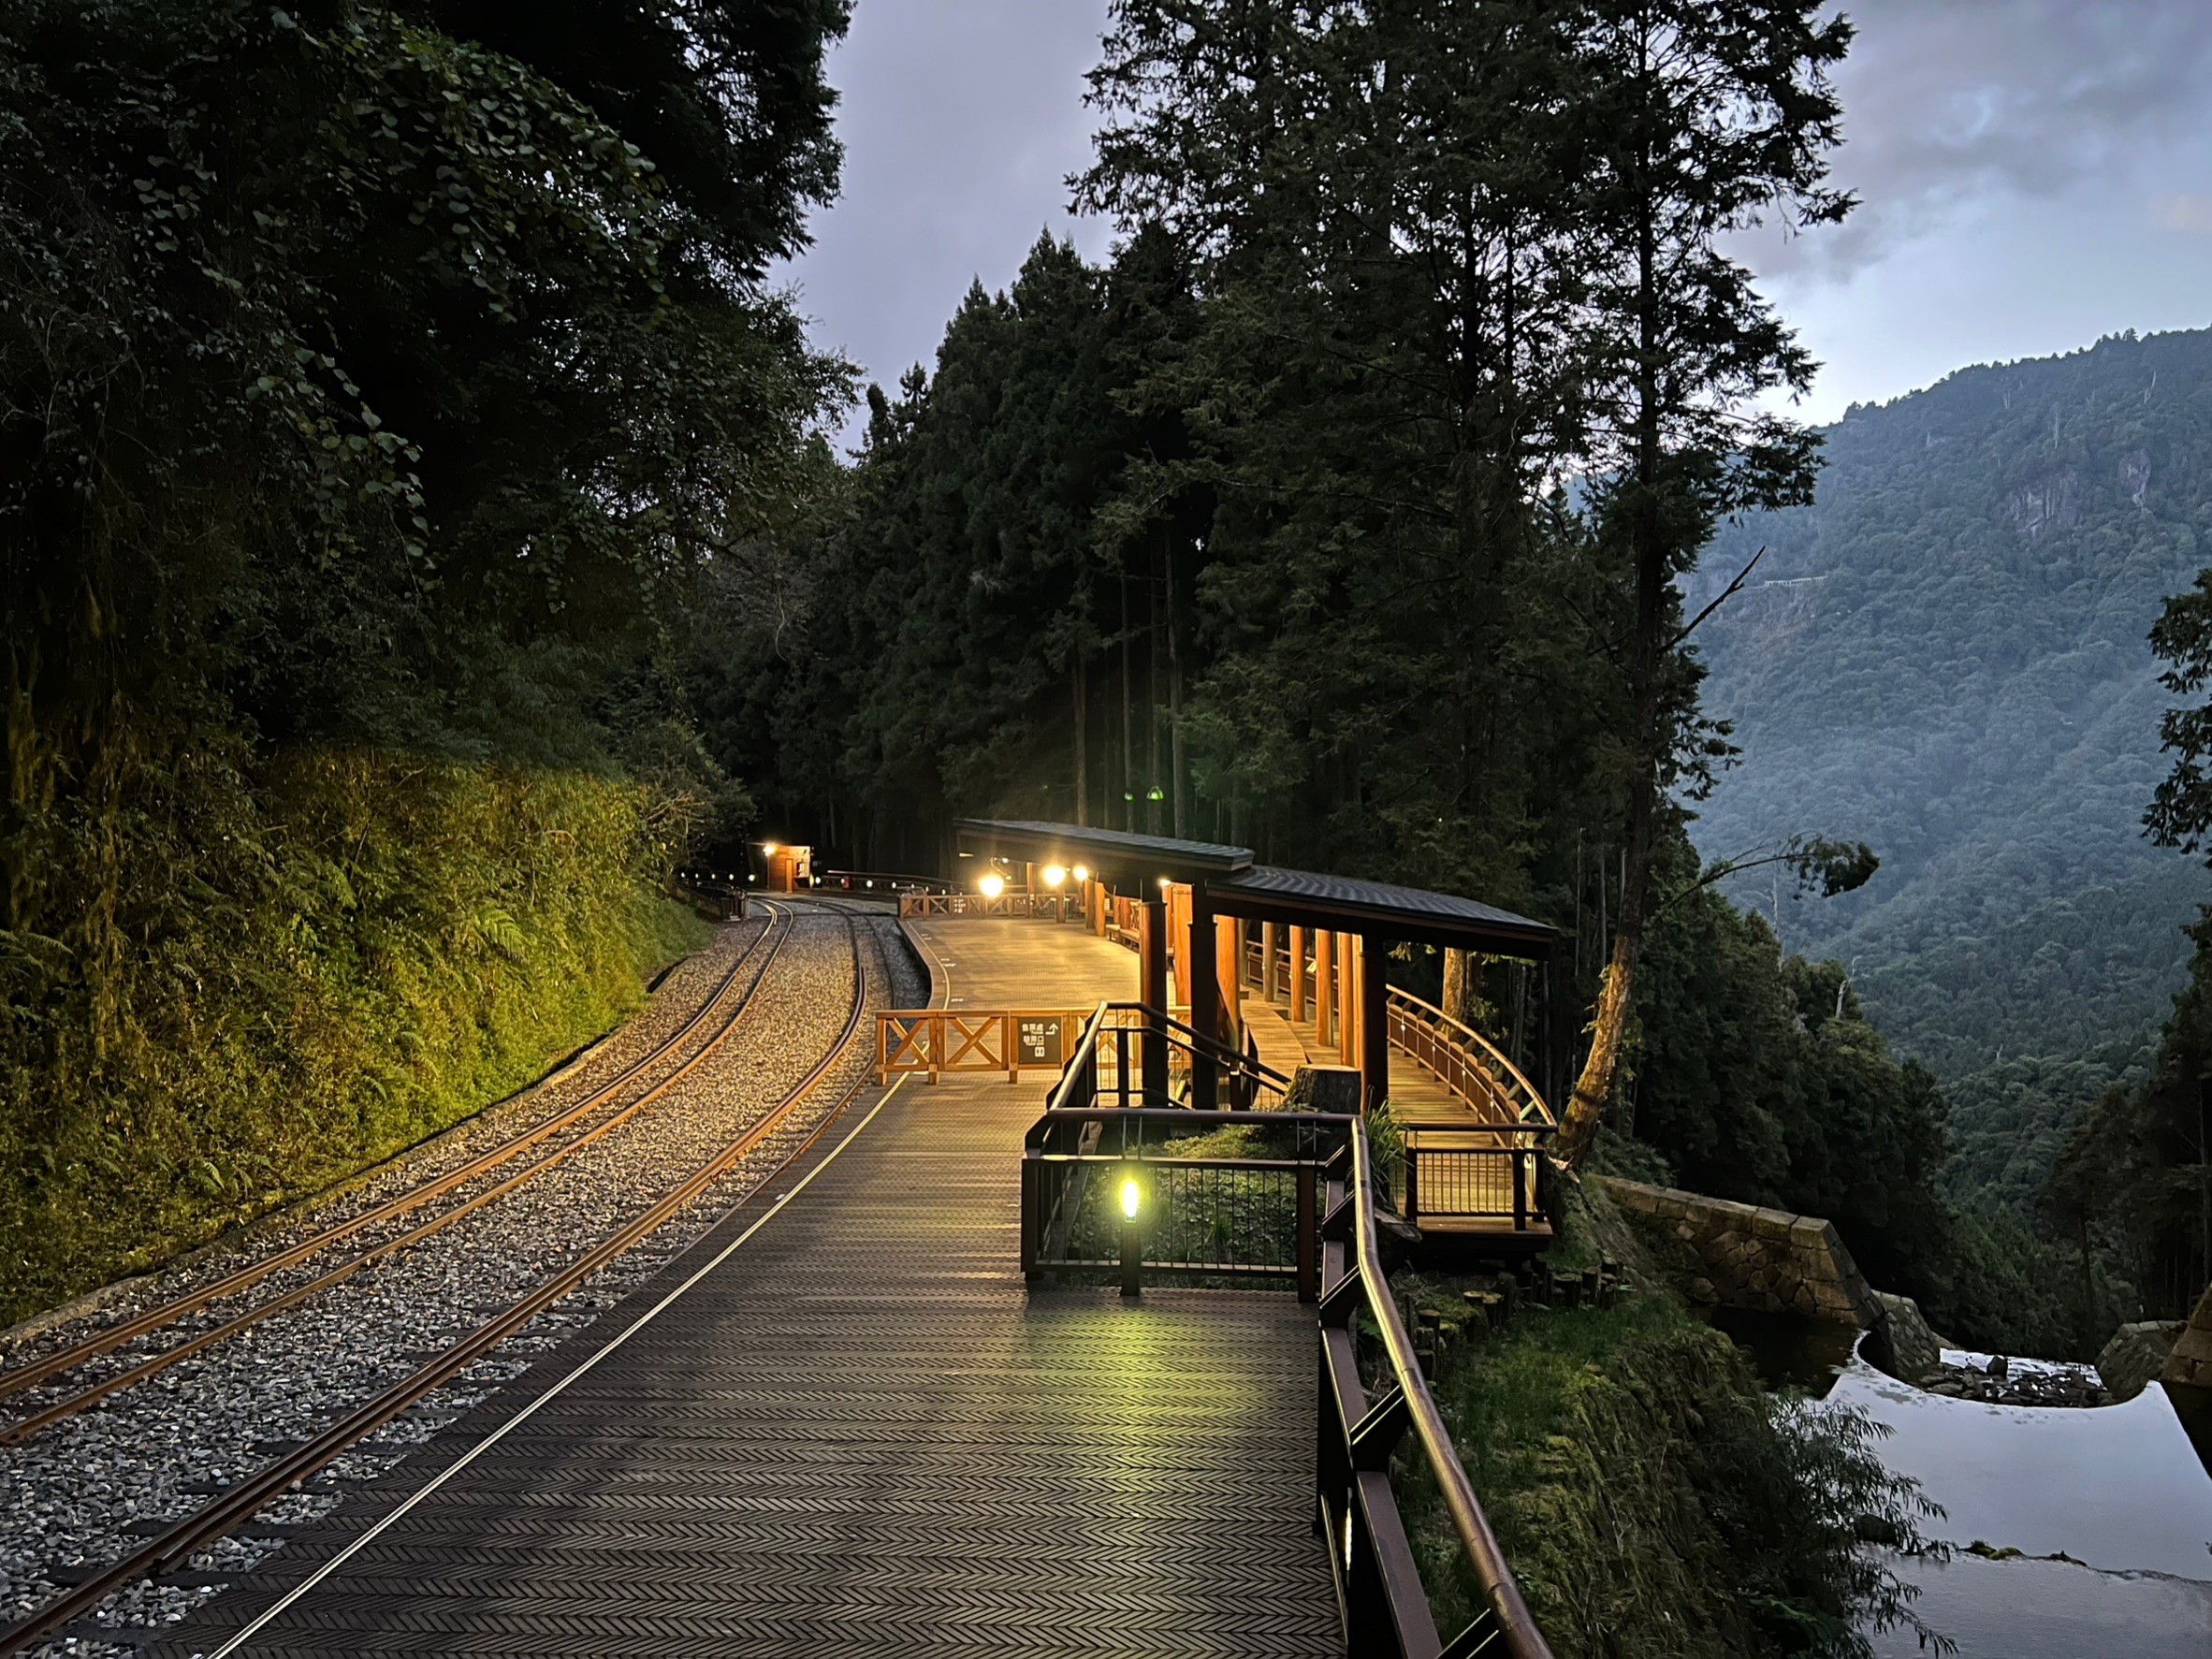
(1053, 875)
(769, 848)
(992, 885)
(1156, 793)
(1080, 873)
(1132, 1196)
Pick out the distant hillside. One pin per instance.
(1946, 656)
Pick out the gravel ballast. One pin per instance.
(88, 1488)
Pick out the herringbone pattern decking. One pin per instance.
(861, 1435)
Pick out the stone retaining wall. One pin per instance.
(1765, 1261)
(2190, 1365)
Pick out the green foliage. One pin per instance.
(330, 960)
(1760, 1079)
(1944, 656)
(1655, 1502)
(1269, 513)
(2131, 1188)
(369, 405)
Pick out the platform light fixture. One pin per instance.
(1156, 793)
(1132, 1199)
(1080, 872)
(991, 885)
(1055, 874)
(769, 848)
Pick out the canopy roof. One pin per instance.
(1305, 898)
(1226, 881)
(1115, 854)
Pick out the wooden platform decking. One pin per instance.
(1417, 1099)
(858, 1434)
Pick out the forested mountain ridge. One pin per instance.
(1945, 655)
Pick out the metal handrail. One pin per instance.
(1518, 1094)
(1221, 1053)
(1369, 1552)
(1503, 1603)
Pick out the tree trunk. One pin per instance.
(1177, 784)
(1083, 765)
(1463, 985)
(1129, 739)
(1593, 1088)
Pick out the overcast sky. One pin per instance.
(2035, 173)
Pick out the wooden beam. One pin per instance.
(1205, 1003)
(1348, 1000)
(1297, 974)
(1152, 933)
(1324, 988)
(1375, 1021)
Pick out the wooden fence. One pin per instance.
(932, 1040)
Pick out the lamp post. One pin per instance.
(1133, 1232)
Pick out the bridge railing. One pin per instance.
(1104, 1192)
(1464, 1061)
(1378, 1582)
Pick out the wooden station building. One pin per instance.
(1198, 912)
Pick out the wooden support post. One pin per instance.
(1229, 940)
(1375, 1021)
(1347, 1000)
(1269, 983)
(1152, 934)
(1205, 1005)
(1297, 975)
(1324, 988)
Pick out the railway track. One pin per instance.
(239, 1503)
(96, 1344)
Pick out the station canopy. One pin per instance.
(1226, 881)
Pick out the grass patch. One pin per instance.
(1655, 1501)
(304, 972)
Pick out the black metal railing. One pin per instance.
(711, 897)
(1475, 1175)
(1379, 1583)
(1103, 1191)
(1107, 1064)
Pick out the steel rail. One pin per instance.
(23, 1428)
(240, 1503)
(32, 1373)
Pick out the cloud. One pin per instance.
(2183, 212)
(1951, 105)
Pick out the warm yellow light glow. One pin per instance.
(1080, 873)
(1053, 875)
(992, 885)
(769, 848)
(1165, 883)
(1131, 1196)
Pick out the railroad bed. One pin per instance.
(741, 1055)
